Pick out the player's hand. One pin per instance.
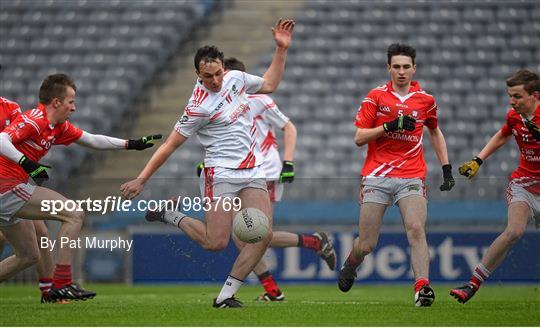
(200, 168)
(399, 124)
(533, 128)
(35, 170)
(132, 188)
(282, 32)
(449, 181)
(470, 168)
(142, 143)
(287, 172)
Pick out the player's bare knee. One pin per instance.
(513, 234)
(76, 217)
(416, 231)
(42, 231)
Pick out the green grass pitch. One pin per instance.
(305, 305)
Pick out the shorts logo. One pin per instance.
(369, 191)
(183, 119)
(414, 187)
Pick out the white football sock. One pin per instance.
(173, 217)
(230, 287)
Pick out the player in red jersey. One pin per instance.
(391, 120)
(24, 142)
(523, 192)
(9, 111)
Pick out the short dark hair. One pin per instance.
(54, 86)
(233, 64)
(401, 49)
(525, 77)
(207, 54)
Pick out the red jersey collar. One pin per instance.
(415, 86)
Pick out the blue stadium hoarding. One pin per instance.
(175, 258)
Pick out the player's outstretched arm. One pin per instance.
(282, 33)
(470, 168)
(134, 187)
(101, 142)
(439, 146)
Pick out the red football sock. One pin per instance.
(309, 241)
(62, 275)
(269, 284)
(419, 283)
(45, 284)
(480, 274)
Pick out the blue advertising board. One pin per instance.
(175, 258)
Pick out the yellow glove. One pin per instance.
(470, 168)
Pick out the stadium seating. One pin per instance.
(465, 50)
(112, 49)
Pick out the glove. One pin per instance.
(200, 168)
(399, 124)
(36, 171)
(449, 181)
(470, 168)
(287, 172)
(143, 143)
(533, 128)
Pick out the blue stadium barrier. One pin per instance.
(166, 258)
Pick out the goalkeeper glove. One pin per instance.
(287, 172)
(36, 171)
(200, 168)
(449, 181)
(399, 124)
(533, 128)
(470, 168)
(142, 143)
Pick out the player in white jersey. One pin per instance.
(268, 118)
(218, 112)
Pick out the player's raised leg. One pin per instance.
(371, 215)
(518, 216)
(413, 210)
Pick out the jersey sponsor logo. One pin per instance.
(20, 125)
(218, 107)
(243, 108)
(401, 137)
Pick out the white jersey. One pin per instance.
(267, 118)
(223, 122)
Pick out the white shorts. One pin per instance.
(225, 182)
(389, 190)
(275, 190)
(11, 202)
(516, 193)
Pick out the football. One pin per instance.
(250, 225)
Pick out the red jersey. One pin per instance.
(33, 135)
(9, 111)
(528, 170)
(396, 154)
